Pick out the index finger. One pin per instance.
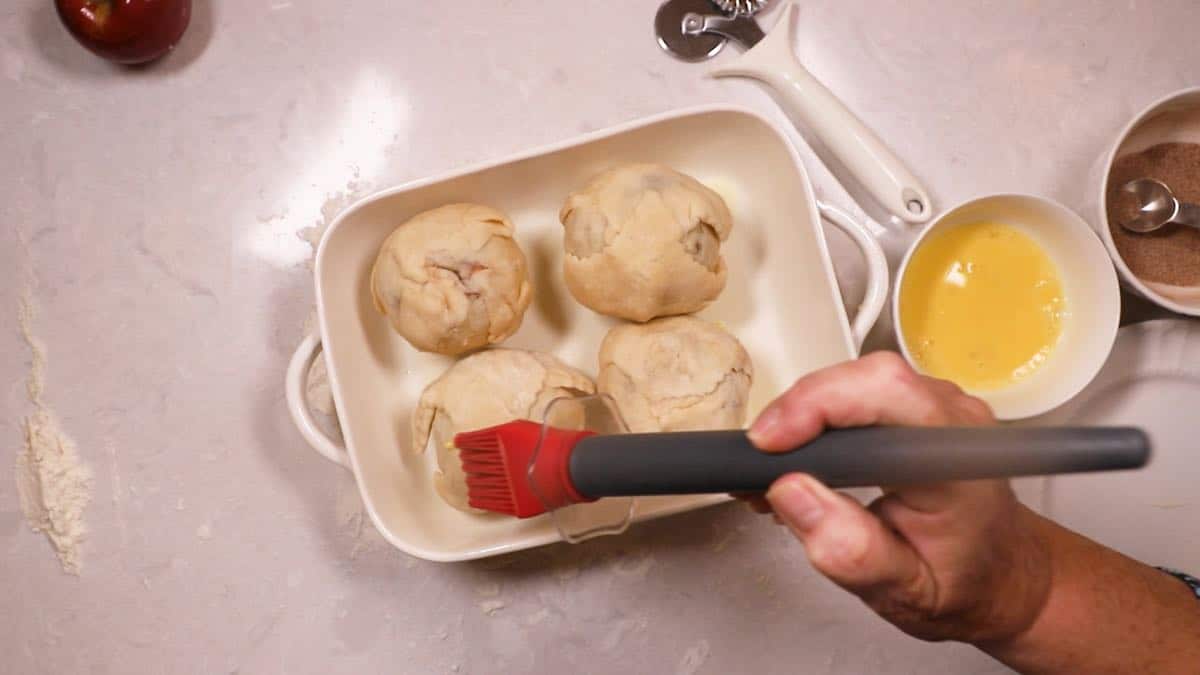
(879, 388)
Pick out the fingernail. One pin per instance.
(795, 502)
(764, 425)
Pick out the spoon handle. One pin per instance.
(1189, 214)
(851, 143)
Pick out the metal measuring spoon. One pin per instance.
(695, 30)
(1158, 207)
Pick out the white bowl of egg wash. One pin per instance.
(1013, 298)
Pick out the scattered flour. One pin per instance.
(317, 391)
(634, 566)
(537, 617)
(490, 589)
(723, 541)
(37, 351)
(567, 572)
(334, 204)
(490, 607)
(352, 518)
(114, 476)
(204, 532)
(54, 487)
(613, 638)
(53, 484)
(765, 584)
(693, 658)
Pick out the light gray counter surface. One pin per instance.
(155, 216)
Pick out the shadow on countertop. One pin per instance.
(1136, 309)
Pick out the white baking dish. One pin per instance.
(781, 301)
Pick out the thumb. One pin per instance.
(844, 541)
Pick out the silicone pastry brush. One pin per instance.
(524, 469)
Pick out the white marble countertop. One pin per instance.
(155, 217)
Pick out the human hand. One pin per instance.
(959, 561)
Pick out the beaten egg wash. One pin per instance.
(981, 305)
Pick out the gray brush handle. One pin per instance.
(700, 462)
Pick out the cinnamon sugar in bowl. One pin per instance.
(1163, 142)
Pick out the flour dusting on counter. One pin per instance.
(567, 572)
(317, 392)
(333, 206)
(693, 658)
(723, 542)
(37, 352)
(489, 589)
(634, 566)
(354, 521)
(316, 388)
(537, 617)
(53, 483)
(616, 634)
(490, 607)
(54, 486)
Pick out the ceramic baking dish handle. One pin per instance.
(877, 270)
(802, 96)
(295, 385)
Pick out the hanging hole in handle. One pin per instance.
(914, 202)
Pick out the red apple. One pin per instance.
(126, 31)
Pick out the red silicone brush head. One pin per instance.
(519, 468)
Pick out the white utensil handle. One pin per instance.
(294, 386)
(858, 148)
(877, 270)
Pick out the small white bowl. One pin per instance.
(1089, 284)
(1174, 118)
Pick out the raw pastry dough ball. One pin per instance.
(676, 374)
(644, 240)
(452, 279)
(485, 389)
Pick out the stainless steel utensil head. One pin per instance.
(742, 29)
(1157, 206)
(735, 8)
(669, 29)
